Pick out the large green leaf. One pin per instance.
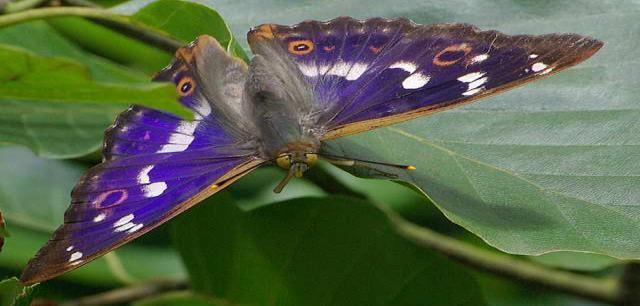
(34, 193)
(549, 167)
(313, 251)
(186, 21)
(51, 106)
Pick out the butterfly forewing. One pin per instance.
(376, 72)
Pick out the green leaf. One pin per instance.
(179, 298)
(34, 194)
(30, 197)
(51, 106)
(313, 251)
(39, 37)
(13, 293)
(186, 21)
(112, 45)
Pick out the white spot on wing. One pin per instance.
(356, 71)
(154, 189)
(143, 176)
(477, 83)
(172, 147)
(99, 217)
(340, 69)
(135, 228)
(70, 248)
(203, 108)
(470, 77)
(479, 58)
(533, 55)
(75, 256)
(124, 220)
(124, 227)
(546, 71)
(415, 80)
(406, 66)
(472, 92)
(537, 67)
(177, 138)
(309, 70)
(187, 127)
(323, 69)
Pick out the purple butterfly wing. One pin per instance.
(377, 72)
(156, 166)
(140, 130)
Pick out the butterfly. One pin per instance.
(306, 84)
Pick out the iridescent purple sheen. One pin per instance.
(141, 130)
(358, 68)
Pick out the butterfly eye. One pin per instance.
(284, 161)
(311, 158)
(300, 47)
(185, 86)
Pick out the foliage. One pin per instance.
(549, 168)
(12, 293)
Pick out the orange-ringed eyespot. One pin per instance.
(185, 86)
(300, 47)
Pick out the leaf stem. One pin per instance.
(609, 290)
(14, 7)
(119, 22)
(50, 12)
(129, 294)
(606, 290)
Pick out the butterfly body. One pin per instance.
(307, 84)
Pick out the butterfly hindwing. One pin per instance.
(156, 164)
(211, 83)
(376, 72)
(141, 130)
(120, 200)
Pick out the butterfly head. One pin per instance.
(297, 162)
(296, 158)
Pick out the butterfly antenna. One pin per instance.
(353, 162)
(285, 180)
